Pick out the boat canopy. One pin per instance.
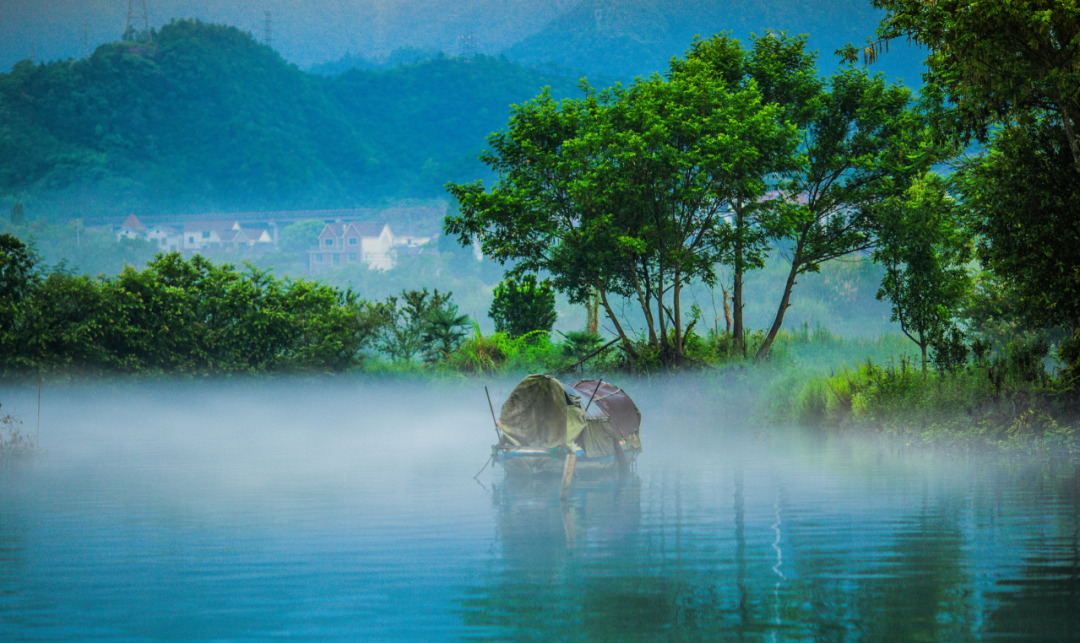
(611, 402)
(540, 412)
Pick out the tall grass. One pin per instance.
(997, 399)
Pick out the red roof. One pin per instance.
(132, 222)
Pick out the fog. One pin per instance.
(307, 33)
(347, 509)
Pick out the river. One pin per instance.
(347, 510)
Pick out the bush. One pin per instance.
(521, 307)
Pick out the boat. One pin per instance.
(547, 427)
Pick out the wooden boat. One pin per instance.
(547, 427)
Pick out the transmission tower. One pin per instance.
(467, 45)
(137, 14)
(268, 33)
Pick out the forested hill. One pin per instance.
(638, 37)
(203, 117)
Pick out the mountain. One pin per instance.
(639, 37)
(203, 117)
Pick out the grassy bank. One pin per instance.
(1003, 399)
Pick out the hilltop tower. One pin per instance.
(467, 45)
(268, 33)
(137, 17)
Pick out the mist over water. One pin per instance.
(347, 510)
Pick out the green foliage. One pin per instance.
(997, 62)
(1024, 205)
(865, 143)
(624, 191)
(17, 214)
(925, 252)
(949, 350)
(1001, 397)
(186, 316)
(17, 274)
(783, 71)
(442, 332)
(521, 306)
(403, 337)
(579, 343)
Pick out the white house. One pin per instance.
(166, 238)
(228, 234)
(343, 243)
(131, 228)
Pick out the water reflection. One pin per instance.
(777, 550)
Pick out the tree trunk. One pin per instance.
(785, 301)
(646, 307)
(593, 312)
(922, 347)
(1070, 132)
(727, 311)
(627, 346)
(660, 311)
(737, 286)
(677, 321)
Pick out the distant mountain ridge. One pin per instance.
(206, 118)
(639, 37)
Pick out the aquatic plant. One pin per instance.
(14, 444)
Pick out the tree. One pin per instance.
(17, 274)
(1025, 207)
(864, 144)
(924, 250)
(402, 337)
(522, 307)
(624, 191)
(995, 61)
(784, 72)
(17, 215)
(442, 333)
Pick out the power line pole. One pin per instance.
(86, 40)
(268, 35)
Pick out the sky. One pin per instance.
(308, 32)
(304, 32)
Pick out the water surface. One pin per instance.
(348, 511)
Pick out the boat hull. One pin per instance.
(541, 462)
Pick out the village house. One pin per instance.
(166, 238)
(131, 228)
(351, 242)
(222, 235)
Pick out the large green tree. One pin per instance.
(783, 71)
(625, 191)
(864, 143)
(996, 62)
(1024, 203)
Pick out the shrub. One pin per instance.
(521, 307)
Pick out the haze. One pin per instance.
(308, 33)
